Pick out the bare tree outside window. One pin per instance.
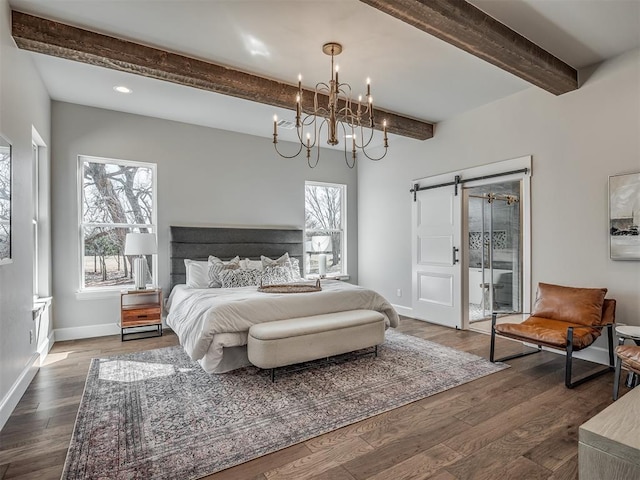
(117, 199)
(5, 200)
(324, 227)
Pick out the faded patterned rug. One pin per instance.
(158, 415)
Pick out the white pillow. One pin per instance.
(197, 273)
(216, 266)
(248, 264)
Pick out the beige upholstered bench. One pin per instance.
(296, 340)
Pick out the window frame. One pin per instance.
(153, 226)
(35, 220)
(344, 272)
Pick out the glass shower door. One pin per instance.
(495, 250)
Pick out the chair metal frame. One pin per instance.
(568, 351)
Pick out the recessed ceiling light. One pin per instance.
(122, 89)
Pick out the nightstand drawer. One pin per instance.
(140, 316)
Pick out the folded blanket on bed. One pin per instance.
(206, 320)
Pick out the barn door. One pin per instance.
(436, 233)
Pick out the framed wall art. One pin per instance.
(5, 200)
(624, 216)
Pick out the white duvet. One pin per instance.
(212, 319)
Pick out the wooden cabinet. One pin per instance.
(140, 308)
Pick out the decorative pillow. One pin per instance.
(295, 269)
(276, 275)
(240, 278)
(216, 266)
(284, 261)
(197, 273)
(249, 264)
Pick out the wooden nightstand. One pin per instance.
(140, 308)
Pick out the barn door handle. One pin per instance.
(455, 255)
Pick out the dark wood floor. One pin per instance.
(521, 423)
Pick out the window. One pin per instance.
(34, 222)
(116, 197)
(325, 228)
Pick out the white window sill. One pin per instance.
(107, 292)
(98, 294)
(39, 305)
(336, 276)
(41, 300)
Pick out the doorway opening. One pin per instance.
(494, 222)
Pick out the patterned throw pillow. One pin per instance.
(284, 261)
(216, 266)
(240, 278)
(295, 269)
(276, 275)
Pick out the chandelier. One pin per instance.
(354, 120)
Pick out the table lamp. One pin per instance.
(140, 244)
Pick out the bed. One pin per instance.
(212, 323)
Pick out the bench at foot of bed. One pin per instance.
(297, 340)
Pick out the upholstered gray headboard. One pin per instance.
(197, 243)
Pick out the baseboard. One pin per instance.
(43, 350)
(20, 386)
(90, 331)
(406, 311)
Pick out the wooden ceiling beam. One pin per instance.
(64, 41)
(467, 27)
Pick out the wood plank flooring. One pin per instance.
(516, 424)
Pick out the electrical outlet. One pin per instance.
(399, 292)
(30, 337)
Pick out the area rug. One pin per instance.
(158, 415)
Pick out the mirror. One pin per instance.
(5, 201)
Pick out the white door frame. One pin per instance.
(496, 168)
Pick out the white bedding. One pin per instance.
(208, 320)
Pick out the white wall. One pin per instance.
(577, 140)
(24, 103)
(205, 177)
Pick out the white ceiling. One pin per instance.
(412, 73)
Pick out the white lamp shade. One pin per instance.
(140, 244)
(321, 243)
